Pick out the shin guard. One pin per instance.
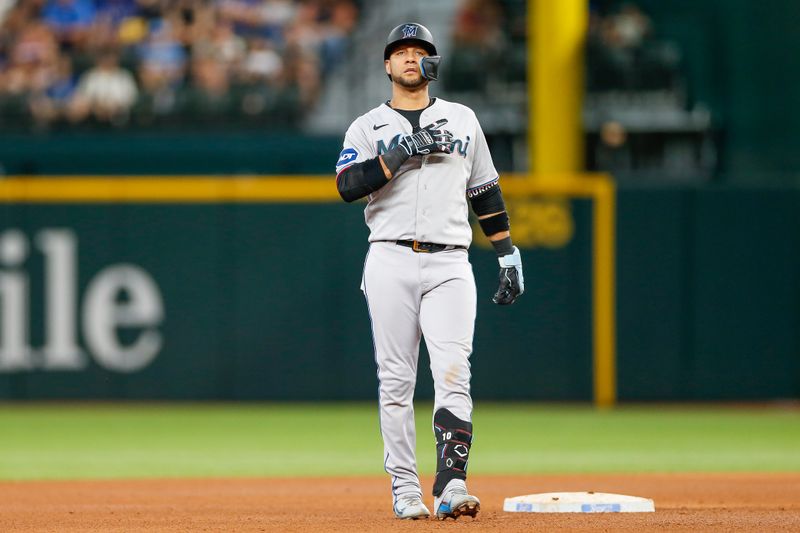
(453, 441)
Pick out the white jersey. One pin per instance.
(426, 200)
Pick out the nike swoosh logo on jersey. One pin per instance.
(376, 127)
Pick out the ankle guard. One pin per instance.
(453, 440)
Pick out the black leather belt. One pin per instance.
(427, 247)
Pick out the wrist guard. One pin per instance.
(503, 246)
(394, 158)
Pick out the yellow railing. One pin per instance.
(185, 189)
(599, 188)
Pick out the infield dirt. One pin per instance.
(684, 502)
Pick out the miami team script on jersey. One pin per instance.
(426, 200)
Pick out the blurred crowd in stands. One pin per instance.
(637, 115)
(488, 46)
(162, 62)
(622, 52)
(69, 64)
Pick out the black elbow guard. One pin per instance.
(488, 201)
(361, 179)
(495, 224)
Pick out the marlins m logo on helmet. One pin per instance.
(409, 30)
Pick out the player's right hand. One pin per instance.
(430, 139)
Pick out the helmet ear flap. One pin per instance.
(429, 67)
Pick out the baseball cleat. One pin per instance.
(455, 502)
(410, 507)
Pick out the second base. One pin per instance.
(578, 502)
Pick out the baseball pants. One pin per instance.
(412, 295)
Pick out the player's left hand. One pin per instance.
(512, 282)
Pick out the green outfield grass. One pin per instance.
(48, 441)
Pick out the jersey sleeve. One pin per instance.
(483, 171)
(355, 149)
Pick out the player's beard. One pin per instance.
(415, 83)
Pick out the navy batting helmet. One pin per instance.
(411, 32)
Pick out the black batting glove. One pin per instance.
(430, 139)
(512, 282)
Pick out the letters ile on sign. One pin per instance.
(102, 314)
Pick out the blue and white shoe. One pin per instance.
(410, 507)
(455, 501)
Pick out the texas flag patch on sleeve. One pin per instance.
(346, 158)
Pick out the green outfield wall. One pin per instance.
(167, 152)
(261, 301)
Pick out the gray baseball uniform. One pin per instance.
(412, 294)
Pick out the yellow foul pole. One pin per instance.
(556, 34)
(556, 38)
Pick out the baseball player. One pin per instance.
(420, 161)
